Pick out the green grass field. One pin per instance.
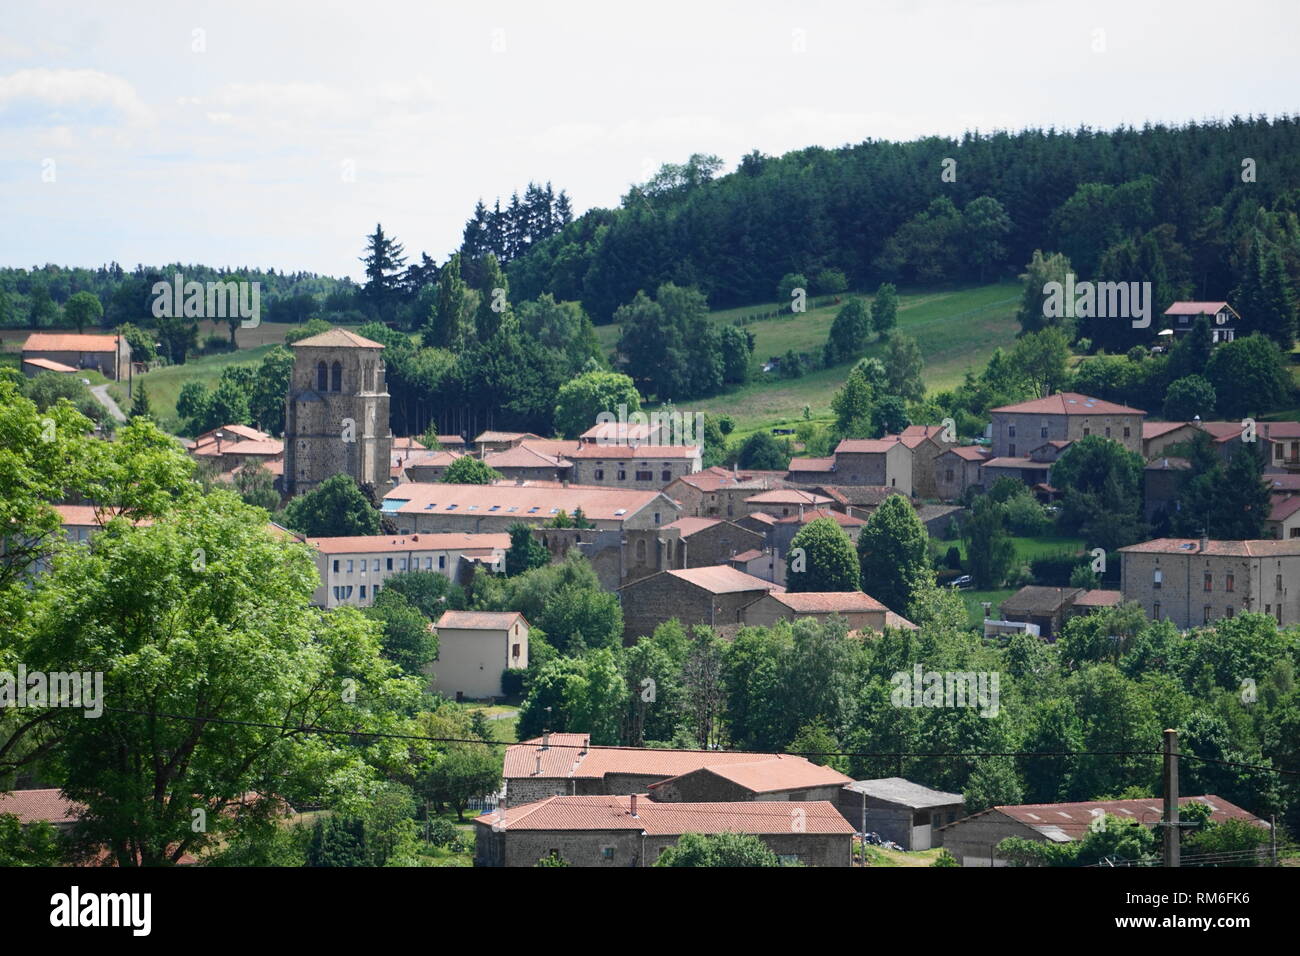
(956, 330)
(164, 384)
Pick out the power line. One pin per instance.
(547, 745)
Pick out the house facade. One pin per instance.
(110, 355)
(1197, 582)
(474, 649)
(1067, 416)
(354, 569)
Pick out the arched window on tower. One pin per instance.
(322, 377)
(336, 378)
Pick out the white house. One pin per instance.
(474, 648)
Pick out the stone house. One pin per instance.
(720, 492)
(617, 831)
(433, 506)
(783, 502)
(474, 649)
(874, 461)
(568, 763)
(336, 413)
(1045, 607)
(633, 466)
(861, 612)
(708, 541)
(899, 810)
(1162, 482)
(784, 530)
(789, 778)
(927, 445)
(524, 462)
(973, 840)
(110, 355)
(1193, 583)
(1284, 516)
(957, 469)
(711, 595)
(426, 466)
(1066, 416)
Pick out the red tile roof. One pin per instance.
(785, 772)
(588, 451)
(521, 456)
(866, 446)
(1194, 308)
(1017, 463)
(69, 342)
(540, 500)
(1069, 821)
(812, 464)
(1099, 597)
(1156, 429)
(49, 365)
(1258, 548)
(788, 496)
(689, 525)
(337, 338)
(1069, 403)
(826, 602)
(1284, 506)
(969, 452)
(672, 819)
(426, 541)
(571, 755)
(479, 620)
(812, 514)
(721, 579)
(29, 806)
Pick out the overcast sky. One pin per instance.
(277, 134)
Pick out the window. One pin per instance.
(1228, 582)
(947, 475)
(1279, 582)
(665, 475)
(336, 378)
(1227, 611)
(376, 567)
(1011, 450)
(1042, 432)
(514, 651)
(336, 565)
(1011, 431)
(645, 476)
(1107, 431)
(640, 551)
(322, 377)
(442, 562)
(607, 854)
(1209, 581)
(1128, 432)
(656, 517)
(363, 592)
(349, 566)
(390, 565)
(622, 475)
(1155, 611)
(401, 564)
(1086, 431)
(599, 474)
(1157, 579)
(1208, 611)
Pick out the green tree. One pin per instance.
(582, 399)
(468, 470)
(884, 308)
(256, 486)
(1249, 375)
(1042, 269)
(821, 558)
(140, 404)
(763, 452)
(525, 552)
(429, 592)
(718, 849)
(1043, 359)
(893, 554)
(240, 599)
(1102, 485)
(408, 641)
(903, 364)
(989, 550)
(82, 310)
(335, 508)
(575, 615)
(848, 334)
(451, 323)
(1189, 397)
(383, 260)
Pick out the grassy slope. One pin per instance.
(956, 330)
(164, 384)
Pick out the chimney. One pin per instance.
(634, 804)
(539, 765)
(546, 742)
(1205, 542)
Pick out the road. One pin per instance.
(101, 395)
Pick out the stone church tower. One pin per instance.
(336, 413)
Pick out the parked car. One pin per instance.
(963, 583)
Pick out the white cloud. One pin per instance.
(52, 94)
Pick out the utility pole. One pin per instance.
(1171, 798)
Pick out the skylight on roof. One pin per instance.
(621, 511)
